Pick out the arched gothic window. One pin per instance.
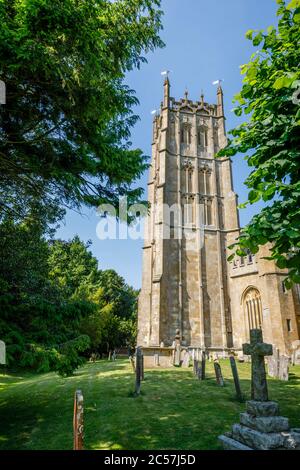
(186, 134)
(202, 137)
(252, 308)
(206, 216)
(188, 208)
(205, 181)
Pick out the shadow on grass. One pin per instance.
(174, 411)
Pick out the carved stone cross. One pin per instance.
(257, 350)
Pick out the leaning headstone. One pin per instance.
(78, 421)
(2, 353)
(284, 363)
(236, 379)
(260, 427)
(218, 372)
(138, 370)
(273, 364)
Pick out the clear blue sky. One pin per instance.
(205, 40)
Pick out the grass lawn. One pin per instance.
(175, 410)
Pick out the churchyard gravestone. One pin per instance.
(260, 427)
(138, 368)
(2, 353)
(236, 379)
(284, 363)
(273, 363)
(278, 366)
(186, 359)
(203, 359)
(142, 367)
(199, 370)
(78, 421)
(156, 359)
(195, 367)
(241, 356)
(177, 350)
(296, 352)
(218, 372)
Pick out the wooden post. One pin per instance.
(219, 376)
(236, 379)
(78, 421)
(138, 371)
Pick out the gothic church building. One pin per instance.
(188, 284)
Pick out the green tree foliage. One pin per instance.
(56, 306)
(271, 97)
(65, 130)
(73, 268)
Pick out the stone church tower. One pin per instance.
(187, 283)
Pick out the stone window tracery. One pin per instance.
(202, 136)
(206, 213)
(252, 308)
(205, 180)
(186, 134)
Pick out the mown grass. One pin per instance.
(175, 410)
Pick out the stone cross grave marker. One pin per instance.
(258, 350)
(218, 372)
(78, 421)
(2, 353)
(236, 379)
(138, 370)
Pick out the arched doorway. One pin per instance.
(252, 307)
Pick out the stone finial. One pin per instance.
(167, 87)
(202, 98)
(220, 103)
(186, 94)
